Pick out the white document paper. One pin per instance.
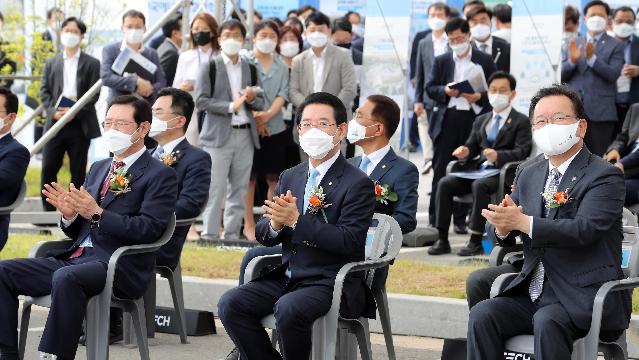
(623, 84)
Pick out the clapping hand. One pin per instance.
(574, 51)
(282, 210)
(590, 49)
(56, 195)
(461, 152)
(82, 202)
(506, 217)
(630, 70)
(491, 155)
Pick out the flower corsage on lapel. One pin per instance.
(556, 199)
(384, 194)
(171, 159)
(317, 202)
(120, 181)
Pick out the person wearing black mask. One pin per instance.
(342, 37)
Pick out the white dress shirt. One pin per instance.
(318, 69)
(170, 146)
(440, 46)
(188, 66)
(488, 42)
(234, 72)
(376, 157)
(70, 75)
(462, 66)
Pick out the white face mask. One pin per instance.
(317, 39)
(555, 139)
(459, 49)
(134, 36)
(231, 46)
(266, 46)
(159, 126)
(358, 29)
(480, 31)
(570, 35)
(69, 40)
(596, 24)
(498, 101)
(357, 131)
(623, 30)
(289, 48)
(118, 142)
(436, 23)
(316, 143)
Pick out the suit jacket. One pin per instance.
(139, 216)
(193, 170)
(501, 54)
(633, 95)
(579, 242)
(414, 51)
(513, 142)
(402, 177)
(441, 74)
(14, 160)
(423, 64)
(123, 85)
(625, 140)
(316, 250)
(169, 55)
(596, 85)
(87, 75)
(216, 128)
(338, 77)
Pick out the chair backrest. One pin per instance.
(629, 219)
(630, 251)
(19, 199)
(384, 239)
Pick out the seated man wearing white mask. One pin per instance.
(568, 212)
(498, 137)
(320, 215)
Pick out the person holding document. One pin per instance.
(454, 111)
(498, 137)
(149, 78)
(67, 77)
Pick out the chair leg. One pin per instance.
(24, 329)
(139, 323)
(384, 317)
(363, 341)
(177, 293)
(97, 329)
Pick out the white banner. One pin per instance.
(535, 56)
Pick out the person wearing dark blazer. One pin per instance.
(70, 74)
(172, 112)
(169, 49)
(453, 115)
(628, 82)
(133, 27)
(14, 159)
(317, 240)
(480, 20)
(623, 151)
(568, 213)
(124, 201)
(498, 137)
(591, 66)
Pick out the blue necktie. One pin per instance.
(363, 165)
(158, 152)
(491, 136)
(310, 184)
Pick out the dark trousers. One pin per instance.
(241, 309)
(451, 186)
(480, 281)
(632, 191)
(493, 321)
(4, 230)
(413, 133)
(72, 141)
(456, 128)
(622, 110)
(599, 136)
(70, 282)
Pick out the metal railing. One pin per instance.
(95, 89)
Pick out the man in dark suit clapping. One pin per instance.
(124, 201)
(568, 212)
(317, 240)
(14, 159)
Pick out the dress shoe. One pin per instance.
(428, 165)
(439, 248)
(460, 229)
(233, 355)
(471, 249)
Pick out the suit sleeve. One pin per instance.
(46, 91)
(405, 212)
(111, 79)
(489, 69)
(93, 75)
(160, 197)
(195, 188)
(509, 240)
(348, 235)
(621, 141)
(203, 99)
(523, 144)
(159, 80)
(434, 85)
(169, 60)
(295, 87)
(348, 80)
(610, 71)
(419, 76)
(73, 230)
(631, 160)
(600, 207)
(473, 143)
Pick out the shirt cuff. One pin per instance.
(272, 232)
(592, 60)
(67, 223)
(530, 228)
(231, 111)
(501, 237)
